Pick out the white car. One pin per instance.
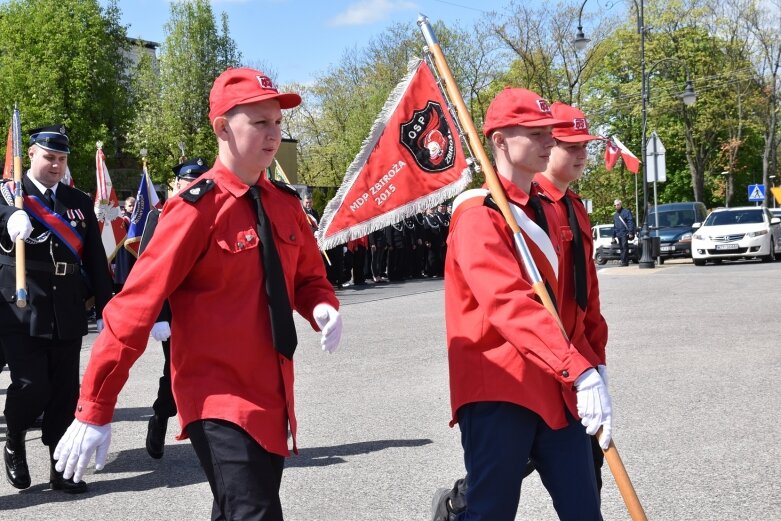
(602, 235)
(733, 233)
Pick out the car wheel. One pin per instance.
(699, 262)
(661, 260)
(716, 261)
(770, 257)
(600, 258)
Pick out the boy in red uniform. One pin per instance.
(231, 355)
(519, 389)
(578, 298)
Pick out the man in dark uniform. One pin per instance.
(396, 236)
(378, 244)
(164, 406)
(435, 243)
(623, 230)
(443, 216)
(66, 265)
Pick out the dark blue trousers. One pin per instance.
(499, 437)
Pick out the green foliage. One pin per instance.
(172, 104)
(64, 62)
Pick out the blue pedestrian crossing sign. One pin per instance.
(756, 193)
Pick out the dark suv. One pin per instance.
(675, 227)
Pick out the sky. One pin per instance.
(299, 39)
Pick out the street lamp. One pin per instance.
(688, 97)
(580, 40)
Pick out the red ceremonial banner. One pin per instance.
(412, 160)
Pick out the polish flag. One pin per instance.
(612, 153)
(615, 147)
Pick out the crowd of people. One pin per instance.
(413, 248)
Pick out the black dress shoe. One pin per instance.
(155, 436)
(16, 471)
(57, 482)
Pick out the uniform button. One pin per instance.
(79, 408)
(56, 245)
(292, 237)
(565, 373)
(54, 287)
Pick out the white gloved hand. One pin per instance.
(602, 369)
(594, 406)
(78, 444)
(330, 323)
(161, 331)
(19, 225)
(99, 325)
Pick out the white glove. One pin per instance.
(602, 369)
(78, 444)
(19, 225)
(161, 331)
(99, 325)
(594, 406)
(330, 323)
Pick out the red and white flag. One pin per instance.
(412, 160)
(615, 148)
(8, 167)
(68, 178)
(112, 228)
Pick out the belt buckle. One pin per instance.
(60, 268)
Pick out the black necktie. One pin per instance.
(578, 255)
(49, 196)
(542, 222)
(283, 330)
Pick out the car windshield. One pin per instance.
(734, 217)
(672, 218)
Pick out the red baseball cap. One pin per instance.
(519, 107)
(578, 132)
(244, 85)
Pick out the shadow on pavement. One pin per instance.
(322, 456)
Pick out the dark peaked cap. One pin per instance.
(191, 169)
(54, 138)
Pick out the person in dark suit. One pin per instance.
(66, 265)
(164, 406)
(623, 230)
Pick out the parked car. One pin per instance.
(675, 227)
(605, 250)
(734, 233)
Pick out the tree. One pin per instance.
(71, 73)
(174, 107)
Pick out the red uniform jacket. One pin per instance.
(204, 258)
(587, 329)
(503, 345)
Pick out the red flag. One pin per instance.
(68, 178)
(8, 168)
(412, 160)
(110, 223)
(630, 160)
(612, 152)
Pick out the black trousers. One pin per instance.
(359, 260)
(44, 379)
(243, 476)
(164, 405)
(623, 243)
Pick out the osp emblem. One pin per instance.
(429, 138)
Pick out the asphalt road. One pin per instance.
(694, 359)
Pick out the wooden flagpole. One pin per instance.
(620, 475)
(21, 277)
